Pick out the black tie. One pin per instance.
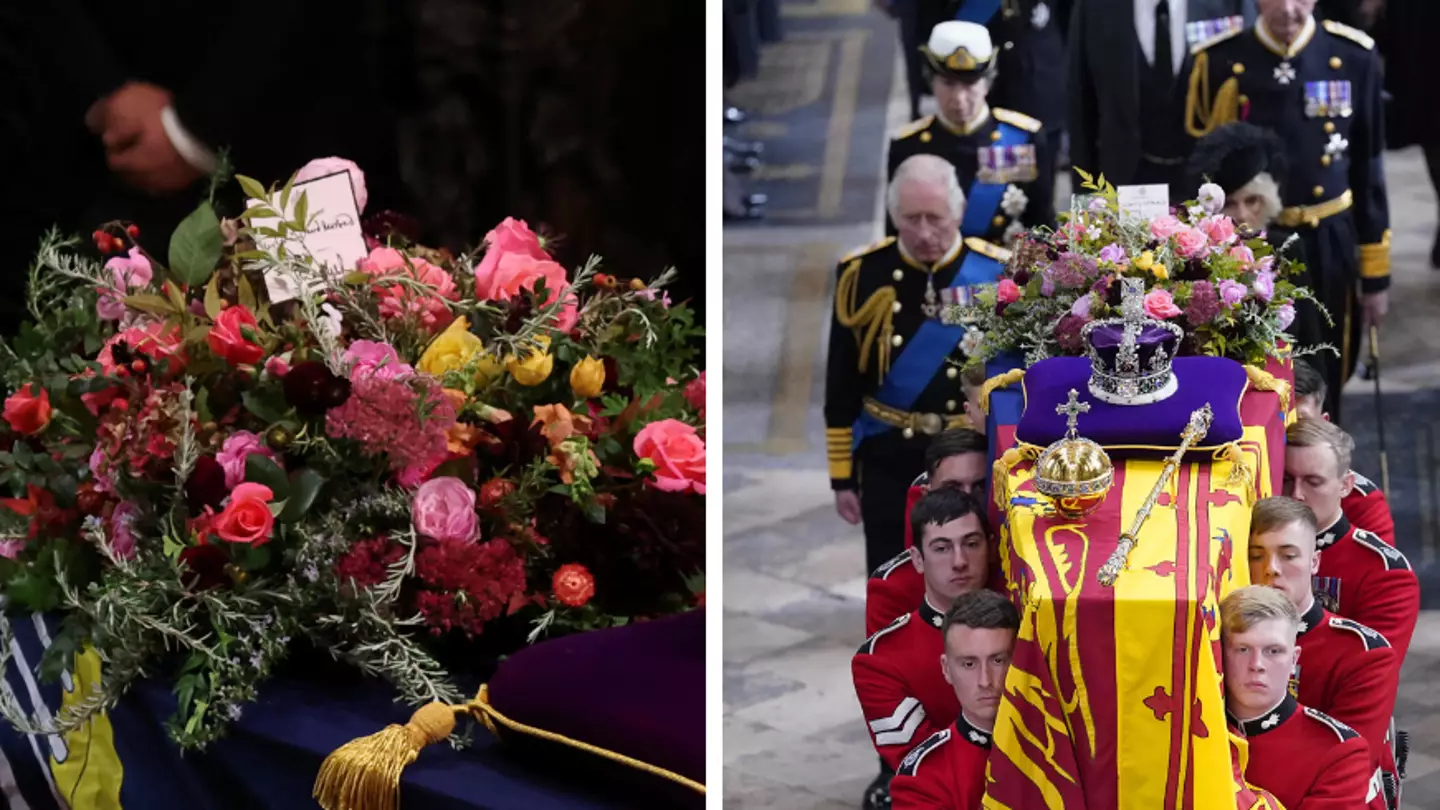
(1163, 64)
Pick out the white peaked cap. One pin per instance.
(949, 37)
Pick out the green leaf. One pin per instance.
(252, 188)
(302, 208)
(356, 279)
(172, 548)
(260, 469)
(153, 304)
(247, 293)
(269, 406)
(196, 245)
(305, 486)
(595, 513)
(213, 301)
(255, 559)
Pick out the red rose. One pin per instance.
(247, 519)
(573, 584)
(27, 413)
(494, 491)
(227, 340)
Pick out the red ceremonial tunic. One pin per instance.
(946, 771)
(893, 590)
(902, 690)
(1367, 508)
(1349, 672)
(1311, 761)
(1366, 579)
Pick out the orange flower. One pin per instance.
(461, 438)
(573, 584)
(558, 423)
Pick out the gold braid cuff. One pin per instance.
(1004, 380)
(1262, 380)
(839, 447)
(364, 774)
(876, 316)
(1202, 115)
(1375, 259)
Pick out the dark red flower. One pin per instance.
(206, 485)
(1022, 276)
(1000, 307)
(384, 224)
(311, 389)
(366, 561)
(494, 491)
(207, 565)
(573, 585)
(467, 584)
(1067, 333)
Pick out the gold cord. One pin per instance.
(876, 316)
(1203, 117)
(1004, 380)
(1262, 380)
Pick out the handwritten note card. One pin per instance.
(1143, 203)
(334, 239)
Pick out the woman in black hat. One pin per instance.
(1244, 160)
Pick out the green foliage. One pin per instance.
(196, 245)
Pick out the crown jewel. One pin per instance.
(1130, 355)
(1074, 472)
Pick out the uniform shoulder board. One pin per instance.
(1206, 44)
(913, 128)
(1373, 639)
(1016, 119)
(1394, 558)
(1365, 485)
(868, 648)
(987, 249)
(911, 763)
(868, 249)
(1341, 730)
(1355, 35)
(884, 571)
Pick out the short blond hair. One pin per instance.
(973, 377)
(1278, 512)
(1320, 433)
(1246, 607)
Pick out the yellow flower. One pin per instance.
(1160, 271)
(451, 349)
(587, 378)
(536, 366)
(1144, 261)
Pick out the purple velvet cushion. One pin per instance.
(637, 690)
(1216, 380)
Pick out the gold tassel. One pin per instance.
(876, 316)
(364, 774)
(1004, 380)
(1262, 380)
(1241, 472)
(1202, 115)
(1002, 467)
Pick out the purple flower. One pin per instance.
(1047, 287)
(1072, 270)
(1067, 333)
(1112, 253)
(1232, 292)
(1264, 285)
(1285, 315)
(122, 529)
(1204, 304)
(1081, 307)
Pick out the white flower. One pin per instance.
(1014, 201)
(1211, 198)
(332, 320)
(1092, 233)
(971, 341)
(1013, 232)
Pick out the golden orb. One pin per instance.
(1076, 474)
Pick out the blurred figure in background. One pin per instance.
(1413, 112)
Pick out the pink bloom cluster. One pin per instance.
(404, 417)
(397, 300)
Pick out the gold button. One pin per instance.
(950, 405)
(952, 372)
(896, 340)
(1324, 160)
(908, 433)
(998, 220)
(1335, 63)
(1318, 191)
(898, 274)
(995, 136)
(1329, 126)
(895, 307)
(924, 137)
(1238, 68)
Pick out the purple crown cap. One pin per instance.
(1130, 355)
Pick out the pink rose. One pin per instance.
(1232, 292)
(510, 236)
(379, 359)
(122, 529)
(1191, 242)
(678, 453)
(695, 393)
(131, 270)
(247, 518)
(237, 448)
(444, 509)
(277, 366)
(517, 273)
(1242, 254)
(1007, 291)
(1220, 229)
(1264, 285)
(321, 167)
(1163, 228)
(1159, 304)
(227, 339)
(399, 300)
(110, 307)
(1285, 315)
(1264, 265)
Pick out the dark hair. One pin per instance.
(953, 442)
(1308, 381)
(940, 506)
(981, 609)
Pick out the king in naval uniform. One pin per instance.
(1001, 161)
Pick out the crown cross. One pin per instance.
(1071, 410)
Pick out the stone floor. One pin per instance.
(794, 583)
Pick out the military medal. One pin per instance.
(1337, 146)
(1285, 73)
(1328, 100)
(931, 307)
(1040, 17)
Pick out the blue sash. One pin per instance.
(977, 11)
(984, 198)
(922, 359)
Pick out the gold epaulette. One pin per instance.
(987, 249)
(913, 128)
(1215, 40)
(1355, 35)
(1016, 119)
(868, 249)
